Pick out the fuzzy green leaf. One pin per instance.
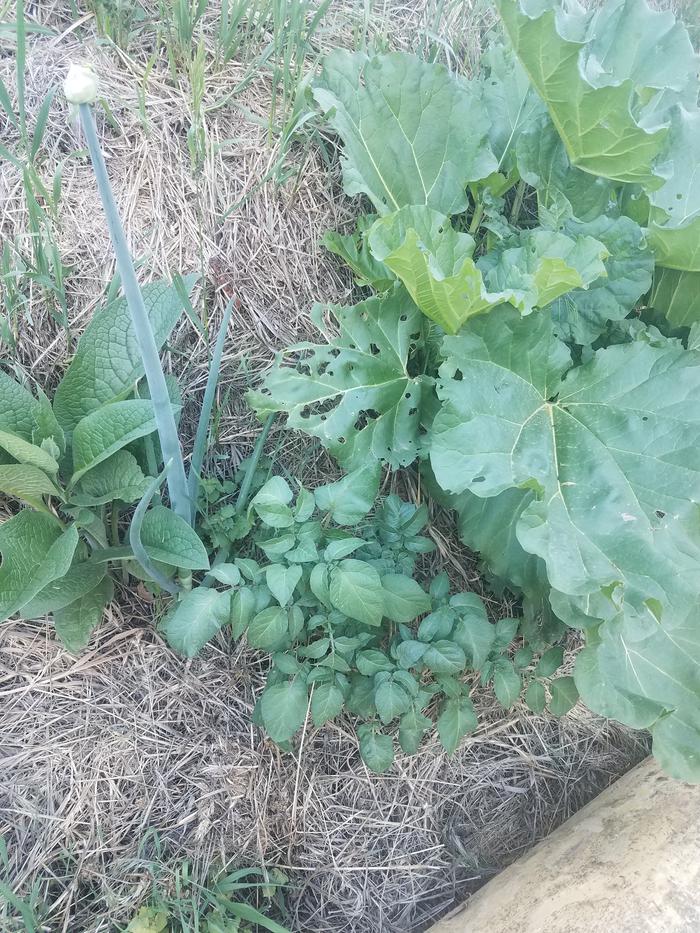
(170, 540)
(27, 417)
(117, 477)
(75, 622)
(80, 578)
(107, 430)
(412, 132)
(107, 363)
(26, 483)
(35, 550)
(28, 453)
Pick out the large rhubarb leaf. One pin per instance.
(610, 449)
(606, 76)
(674, 222)
(107, 363)
(435, 263)
(356, 393)
(582, 314)
(412, 132)
(563, 191)
(677, 295)
(511, 102)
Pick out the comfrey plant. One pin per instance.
(108, 440)
(532, 339)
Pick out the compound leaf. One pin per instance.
(327, 701)
(404, 598)
(356, 590)
(283, 709)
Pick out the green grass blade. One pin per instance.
(200, 441)
(41, 120)
(165, 420)
(21, 63)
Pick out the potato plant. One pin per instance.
(530, 336)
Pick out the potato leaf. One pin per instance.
(195, 619)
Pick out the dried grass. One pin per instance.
(127, 756)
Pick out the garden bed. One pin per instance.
(125, 762)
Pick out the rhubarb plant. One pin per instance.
(532, 341)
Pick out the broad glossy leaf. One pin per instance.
(75, 622)
(35, 550)
(283, 708)
(195, 619)
(563, 191)
(376, 749)
(350, 498)
(404, 598)
(107, 430)
(581, 315)
(117, 477)
(354, 393)
(412, 132)
(677, 295)
(595, 82)
(26, 483)
(327, 701)
(81, 578)
(170, 540)
(674, 222)
(25, 416)
(435, 264)
(356, 590)
(455, 721)
(107, 363)
(353, 249)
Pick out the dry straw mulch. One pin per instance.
(127, 758)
